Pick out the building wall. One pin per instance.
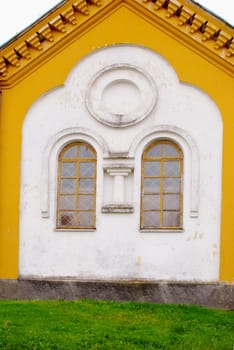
(189, 66)
(155, 105)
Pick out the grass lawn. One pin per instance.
(88, 324)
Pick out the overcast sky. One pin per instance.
(16, 15)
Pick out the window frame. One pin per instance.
(77, 194)
(162, 158)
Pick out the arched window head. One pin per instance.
(161, 199)
(76, 187)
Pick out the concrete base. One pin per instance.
(218, 295)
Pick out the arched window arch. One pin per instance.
(76, 194)
(161, 192)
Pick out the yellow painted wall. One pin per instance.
(122, 26)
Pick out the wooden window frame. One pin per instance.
(161, 178)
(77, 194)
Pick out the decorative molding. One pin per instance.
(121, 95)
(184, 140)
(42, 38)
(196, 27)
(54, 146)
(117, 209)
(118, 171)
(197, 24)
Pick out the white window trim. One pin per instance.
(185, 141)
(52, 150)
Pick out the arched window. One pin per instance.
(161, 199)
(76, 187)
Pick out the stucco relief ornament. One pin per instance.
(121, 95)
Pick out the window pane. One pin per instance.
(68, 186)
(162, 185)
(171, 218)
(171, 168)
(152, 168)
(86, 219)
(171, 185)
(71, 152)
(68, 169)
(152, 219)
(152, 185)
(76, 186)
(171, 202)
(170, 151)
(85, 152)
(86, 185)
(86, 202)
(67, 219)
(151, 202)
(155, 151)
(86, 169)
(67, 202)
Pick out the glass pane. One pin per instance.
(151, 202)
(171, 185)
(68, 169)
(67, 202)
(171, 201)
(86, 169)
(151, 185)
(85, 152)
(67, 219)
(151, 219)
(155, 151)
(171, 218)
(71, 152)
(68, 186)
(152, 168)
(86, 219)
(170, 151)
(86, 202)
(86, 185)
(172, 168)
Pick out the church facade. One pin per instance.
(116, 145)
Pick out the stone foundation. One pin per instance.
(218, 295)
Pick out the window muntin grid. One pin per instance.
(76, 199)
(161, 195)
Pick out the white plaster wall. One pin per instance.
(117, 249)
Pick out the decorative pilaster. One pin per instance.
(118, 203)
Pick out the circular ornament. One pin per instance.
(121, 95)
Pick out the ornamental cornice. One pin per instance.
(198, 29)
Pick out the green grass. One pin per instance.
(88, 324)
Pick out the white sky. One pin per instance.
(16, 15)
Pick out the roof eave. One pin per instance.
(198, 29)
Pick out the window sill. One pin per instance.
(151, 230)
(75, 230)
